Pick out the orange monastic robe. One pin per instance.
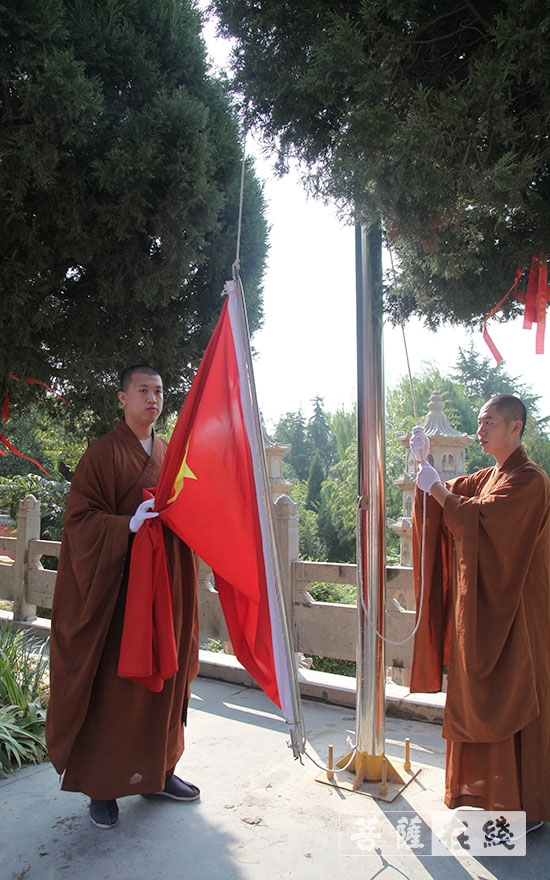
(109, 736)
(486, 615)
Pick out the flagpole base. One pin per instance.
(370, 775)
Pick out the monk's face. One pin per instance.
(142, 402)
(497, 436)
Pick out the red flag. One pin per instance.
(148, 653)
(212, 502)
(209, 493)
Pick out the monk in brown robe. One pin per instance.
(108, 736)
(484, 564)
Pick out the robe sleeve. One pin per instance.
(432, 560)
(95, 533)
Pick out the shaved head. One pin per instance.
(510, 407)
(126, 375)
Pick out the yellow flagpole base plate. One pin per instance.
(370, 775)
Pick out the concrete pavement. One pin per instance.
(262, 815)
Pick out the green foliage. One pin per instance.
(120, 179)
(340, 594)
(536, 442)
(336, 667)
(52, 496)
(35, 429)
(432, 116)
(311, 544)
(480, 380)
(400, 418)
(315, 482)
(317, 436)
(321, 435)
(327, 505)
(291, 429)
(323, 493)
(338, 508)
(24, 688)
(344, 427)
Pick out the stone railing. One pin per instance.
(322, 629)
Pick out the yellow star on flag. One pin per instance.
(183, 473)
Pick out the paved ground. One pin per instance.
(262, 816)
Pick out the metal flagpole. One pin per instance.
(371, 544)
(373, 773)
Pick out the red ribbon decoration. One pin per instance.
(535, 298)
(5, 414)
(38, 382)
(492, 347)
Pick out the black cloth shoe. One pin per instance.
(178, 790)
(104, 814)
(530, 826)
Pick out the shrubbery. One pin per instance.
(24, 689)
(51, 494)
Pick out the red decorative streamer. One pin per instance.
(15, 451)
(38, 382)
(535, 298)
(492, 347)
(5, 415)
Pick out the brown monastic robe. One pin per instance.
(486, 614)
(108, 736)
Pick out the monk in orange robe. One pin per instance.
(110, 737)
(484, 566)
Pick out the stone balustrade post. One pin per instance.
(286, 524)
(28, 529)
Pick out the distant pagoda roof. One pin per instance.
(436, 424)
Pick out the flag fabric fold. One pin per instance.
(209, 494)
(148, 653)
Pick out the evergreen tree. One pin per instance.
(315, 482)
(320, 435)
(482, 378)
(291, 429)
(338, 507)
(344, 428)
(432, 116)
(495, 380)
(120, 178)
(327, 505)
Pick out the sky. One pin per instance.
(307, 347)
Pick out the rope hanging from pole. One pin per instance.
(385, 639)
(282, 642)
(358, 518)
(402, 325)
(236, 264)
(300, 731)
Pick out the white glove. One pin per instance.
(419, 443)
(426, 477)
(142, 513)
